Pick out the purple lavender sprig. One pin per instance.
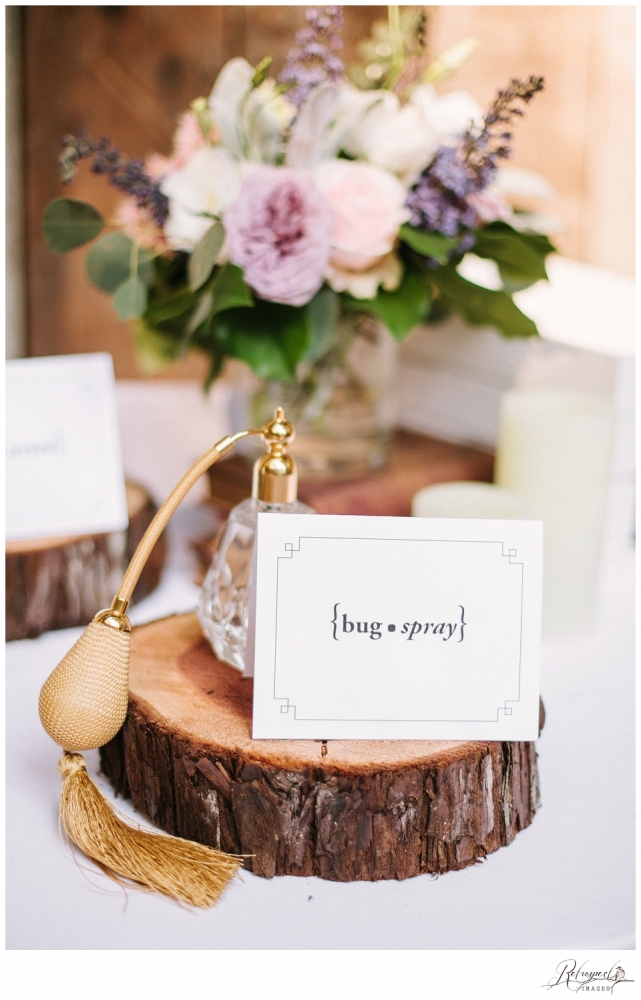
(483, 146)
(128, 176)
(440, 200)
(313, 60)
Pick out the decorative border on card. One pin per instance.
(506, 708)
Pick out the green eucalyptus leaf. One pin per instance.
(400, 310)
(206, 252)
(69, 224)
(481, 306)
(130, 299)
(428, 244)
(322, 318)
(110, 260)
(229, 289)
(199, 317)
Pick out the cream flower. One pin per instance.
(251, 121)
(208, 183)
(404, 138)
(387, 272)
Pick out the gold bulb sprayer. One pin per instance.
(83, 704)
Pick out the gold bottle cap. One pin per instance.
(275, 477)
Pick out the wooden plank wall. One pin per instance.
(128, 72)
(125, 72)
(580, 132)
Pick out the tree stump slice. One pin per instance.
(367, 810)
(54, 583)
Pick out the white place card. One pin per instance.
(396, 628)
(63, 461)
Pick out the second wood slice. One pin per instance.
(54, 583)
(367, 810)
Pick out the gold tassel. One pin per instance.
(83, 704)
(181, 869)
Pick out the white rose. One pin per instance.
(208, 183)
(449, 115)
(367, 205)
(404, 138)
(395, 137)
(325, 122)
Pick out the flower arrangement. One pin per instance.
(288, 201)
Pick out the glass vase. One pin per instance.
(343, 405)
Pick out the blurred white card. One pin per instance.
(397, 628)
(63, 462)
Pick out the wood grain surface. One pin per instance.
(367, 810)
(53, 583)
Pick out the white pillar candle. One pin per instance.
(554, 451)
(467, 499)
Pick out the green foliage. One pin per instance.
(170, 311)
(69, 224)
(428, 244)
(401, 309)
(481, 306)
(155, 350)
(520, 256)
(271, 338)
(229, 290)
(322, 316)
(113, 259)
(130, 299)
(261, 70)
(206, 252)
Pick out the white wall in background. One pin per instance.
(452, 376)
(165, 426)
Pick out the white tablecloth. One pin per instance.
(565, 882)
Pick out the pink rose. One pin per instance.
(188, 139)
(368, 206)
(278, 233)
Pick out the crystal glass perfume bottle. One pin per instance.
(223, 609)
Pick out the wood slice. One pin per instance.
(54, 583)
(368, 810)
